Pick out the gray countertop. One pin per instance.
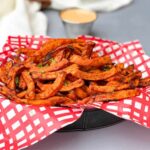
(129, 23)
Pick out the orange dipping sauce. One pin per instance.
(77, 16)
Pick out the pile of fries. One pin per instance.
(65, 72)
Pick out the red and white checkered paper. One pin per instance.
(23, 125)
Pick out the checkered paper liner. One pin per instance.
(24, 125)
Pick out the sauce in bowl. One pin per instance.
(78, 16)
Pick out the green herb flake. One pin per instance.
(46, 65)
(52, 60)
(70, 47)
(105, 68)
(66, 83)
(39, 65)
(17, 80)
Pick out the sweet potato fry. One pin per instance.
(94, 55)
(133, 75)
(88, 49)
(53, 75)
(52, 101)
(22, 94)
(113, 83)
(123, 75)
(66, 87)
(11, 94)
(95, 62)
(72, 95)
(80, 93)
(128, 70)
(8, 65)
(112, 88)
(102, 89)
(71, 78)
(144, 82)
(49, 46)
(12, 74)
(4, 69)
(72, 85)
(3, 75)
(22, 83)
(67, 71)
(117, 77)
(53, 67)
(53, 88)
(67, 103)
(27, 51)
(59, 56)
(30, 94)
(45, 76)
(115, 96)
(87, 90)
(97, 76)
(125, 78)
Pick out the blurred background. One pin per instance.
(38, 17)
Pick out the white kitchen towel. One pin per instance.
(24, 19)
(97, 5)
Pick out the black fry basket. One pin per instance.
(92, 119)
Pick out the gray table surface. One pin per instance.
(129, 23)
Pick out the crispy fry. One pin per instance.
(102, 89)
(3, 75)
(51, 45)
(71, 78)
(22, 94)
(8, 65)
(68, 86)
(132, 76)
(22, 83)
(12, 74)
(115, 87)
(109, 88)
(95, 62)
(88, 49)
(4, 69)
(45, 76)
(94, 54)
(65, 72)
(123, 74)
(72, 95)
(59, 56)
(80, 93)
(27, 51)
(97, 76)
(53, 88)
(8, 92)
(110, 96)
(128, 70)
(53, 67)
(144, 82)
(117, 95)
(30, 94)
(53, 75)
(52, 101)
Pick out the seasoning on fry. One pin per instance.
(65, 72)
